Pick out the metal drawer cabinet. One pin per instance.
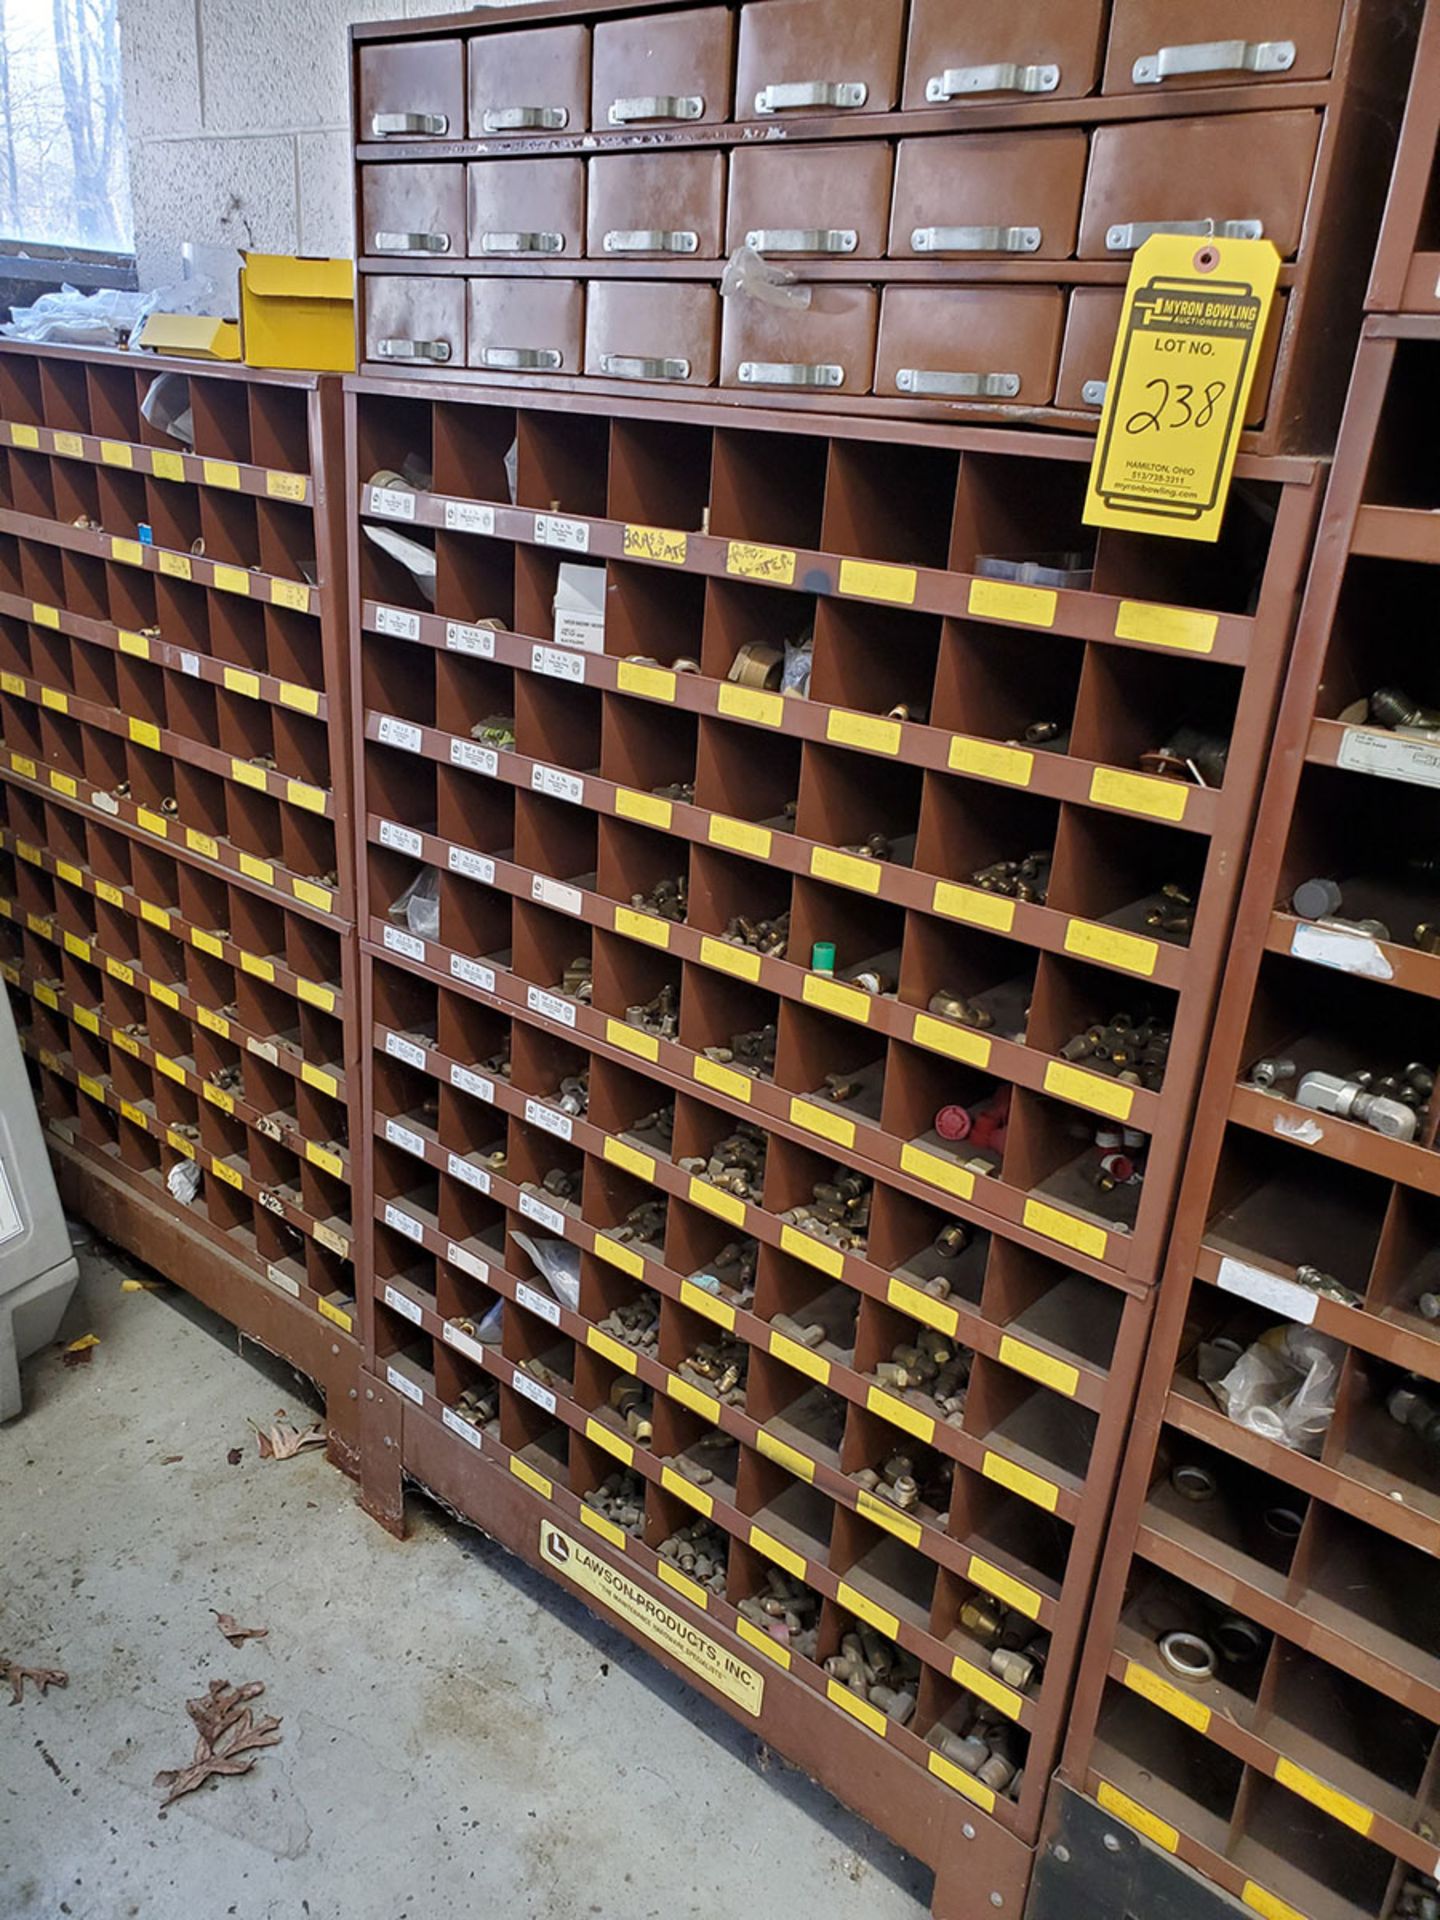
(412, 321)
(825, 201)
(663, 69)
(656, 206)
(525, 326)
(1090, 327)
(526, 209)
(412, 210)
(827, 347)
(533, 82)
(1218, 43)
(967, 49)
(660, 330)
(818, 56)
(411, 90)
(989, 194)
(970, 343)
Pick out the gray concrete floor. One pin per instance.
(460, 1738)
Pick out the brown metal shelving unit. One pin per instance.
(1303, 1777)
(177, 910)
(647, 760)
(1405, 274)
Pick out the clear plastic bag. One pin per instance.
(799, 658)
(167, 407)
(72, 318)
(419, 905)
(559, 1265)
(183, 1181)
(750, 274)
(1284, 1386)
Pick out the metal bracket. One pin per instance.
(803, 239)
(411, 243)
(1213, 56)
(789, 373)
(1126, 235)
(437, 350)
(1091, 1866)
(435, 124)
(1005, 77)
(1093, 392)
(657, 106)
(651, 240)
(976, 239)
(523, 359)
(630, 366)
(924, 383)
(783, 94)
(525, 119)
(522, 243)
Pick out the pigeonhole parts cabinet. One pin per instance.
(176, 860)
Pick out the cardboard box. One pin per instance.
(192, 336)
(298, 313)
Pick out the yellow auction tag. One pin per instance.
(1179, 387)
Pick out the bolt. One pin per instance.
(369, 1393)
(388, 1441)
(1062, 1854)
(968, 1831)
(1111, 1843)
(997, 1900)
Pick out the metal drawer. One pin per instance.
(413, 321)
(1218, 43)
(411, 90)
(652, 330)
(526, 209)
(413, 212)
(535, 82)
(663, 69)
(989, 195)
(525, 326)
(977, 49)
(827, 347)
(1245, 174)
(1089, 343)
(829, 201)
(998, 344)
(656, 206)
(801, 57)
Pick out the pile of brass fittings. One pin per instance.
(754, 1051)
(561, 1183)
(681, 790)
(574, 1094)
(1416, 1405)
(1122, 1153)
(668, 899)
(659, 1016)
(620, 1498)
(950, 1242)
(878, 1671)
(764, 936)
(757, 665)
(1190, 754)
(967, 1013)
(839, 1212)
(732, 1268)
(1419, 1898)
(809, 1333)
(712, 1441)
(736, 1164)
(875, 846)
(900, 1482)
(499, 1061)
(931, 1365)
(787, 1610)
(981, 1743)
(635, 1405)
(636, 1324)
(660, 1125)
(699, 1551)
(1017, 1647)
(496, 730)
(718, 1367)
(578, 978)
(479, 1405)
(547, 1376)
(1132, 1047)
(1024, 879)
(841, 1088)
(1175, 912)
(645, 1222)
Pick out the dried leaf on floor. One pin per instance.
(235, 1634)
(78, 1352)
(229, 1738)
(235, 1456)
(281, 1441)
(41, 1678)
(172, 1459)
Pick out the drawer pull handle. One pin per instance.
(976, 239)
(657, 106)
(1093, 392)
(784, 94)
(412, 243)
(1213, 56)
(631, 366)
(384, 124)
(1005, 77)
(790, 373)
(523, 359)
(803, 239)
(522, 243)
(1127, 235)
(437, 350)
(927, 384)
(651, 240)
(525, 119)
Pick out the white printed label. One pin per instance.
(546, 1118)
(401, 1221)
(550, 1005)
(467, 516)
(462, 1343)
(402, 1385)
(538, 1303)
(583, 630)
(559, 786)
(532, 1390)
(475, 866)
(473, 1176)
(472, 1083)
(106, 802)
(558, 664)
(467, 1263)
(465, 753)
(399, 733)
(457, 1423)
(397, 623)
(266, 1050)
(479, 641)
(1414, 761)
(403, 1304)
(392, 503)
(1267, 1290)
(399, 1136)
(405, 1050)
(542, 1213)
(399, 941)
(472, 972)
(190, 663)
(1348, 952)
(402, 839)
(278, 1277)
(552, 893)
(572, 535)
